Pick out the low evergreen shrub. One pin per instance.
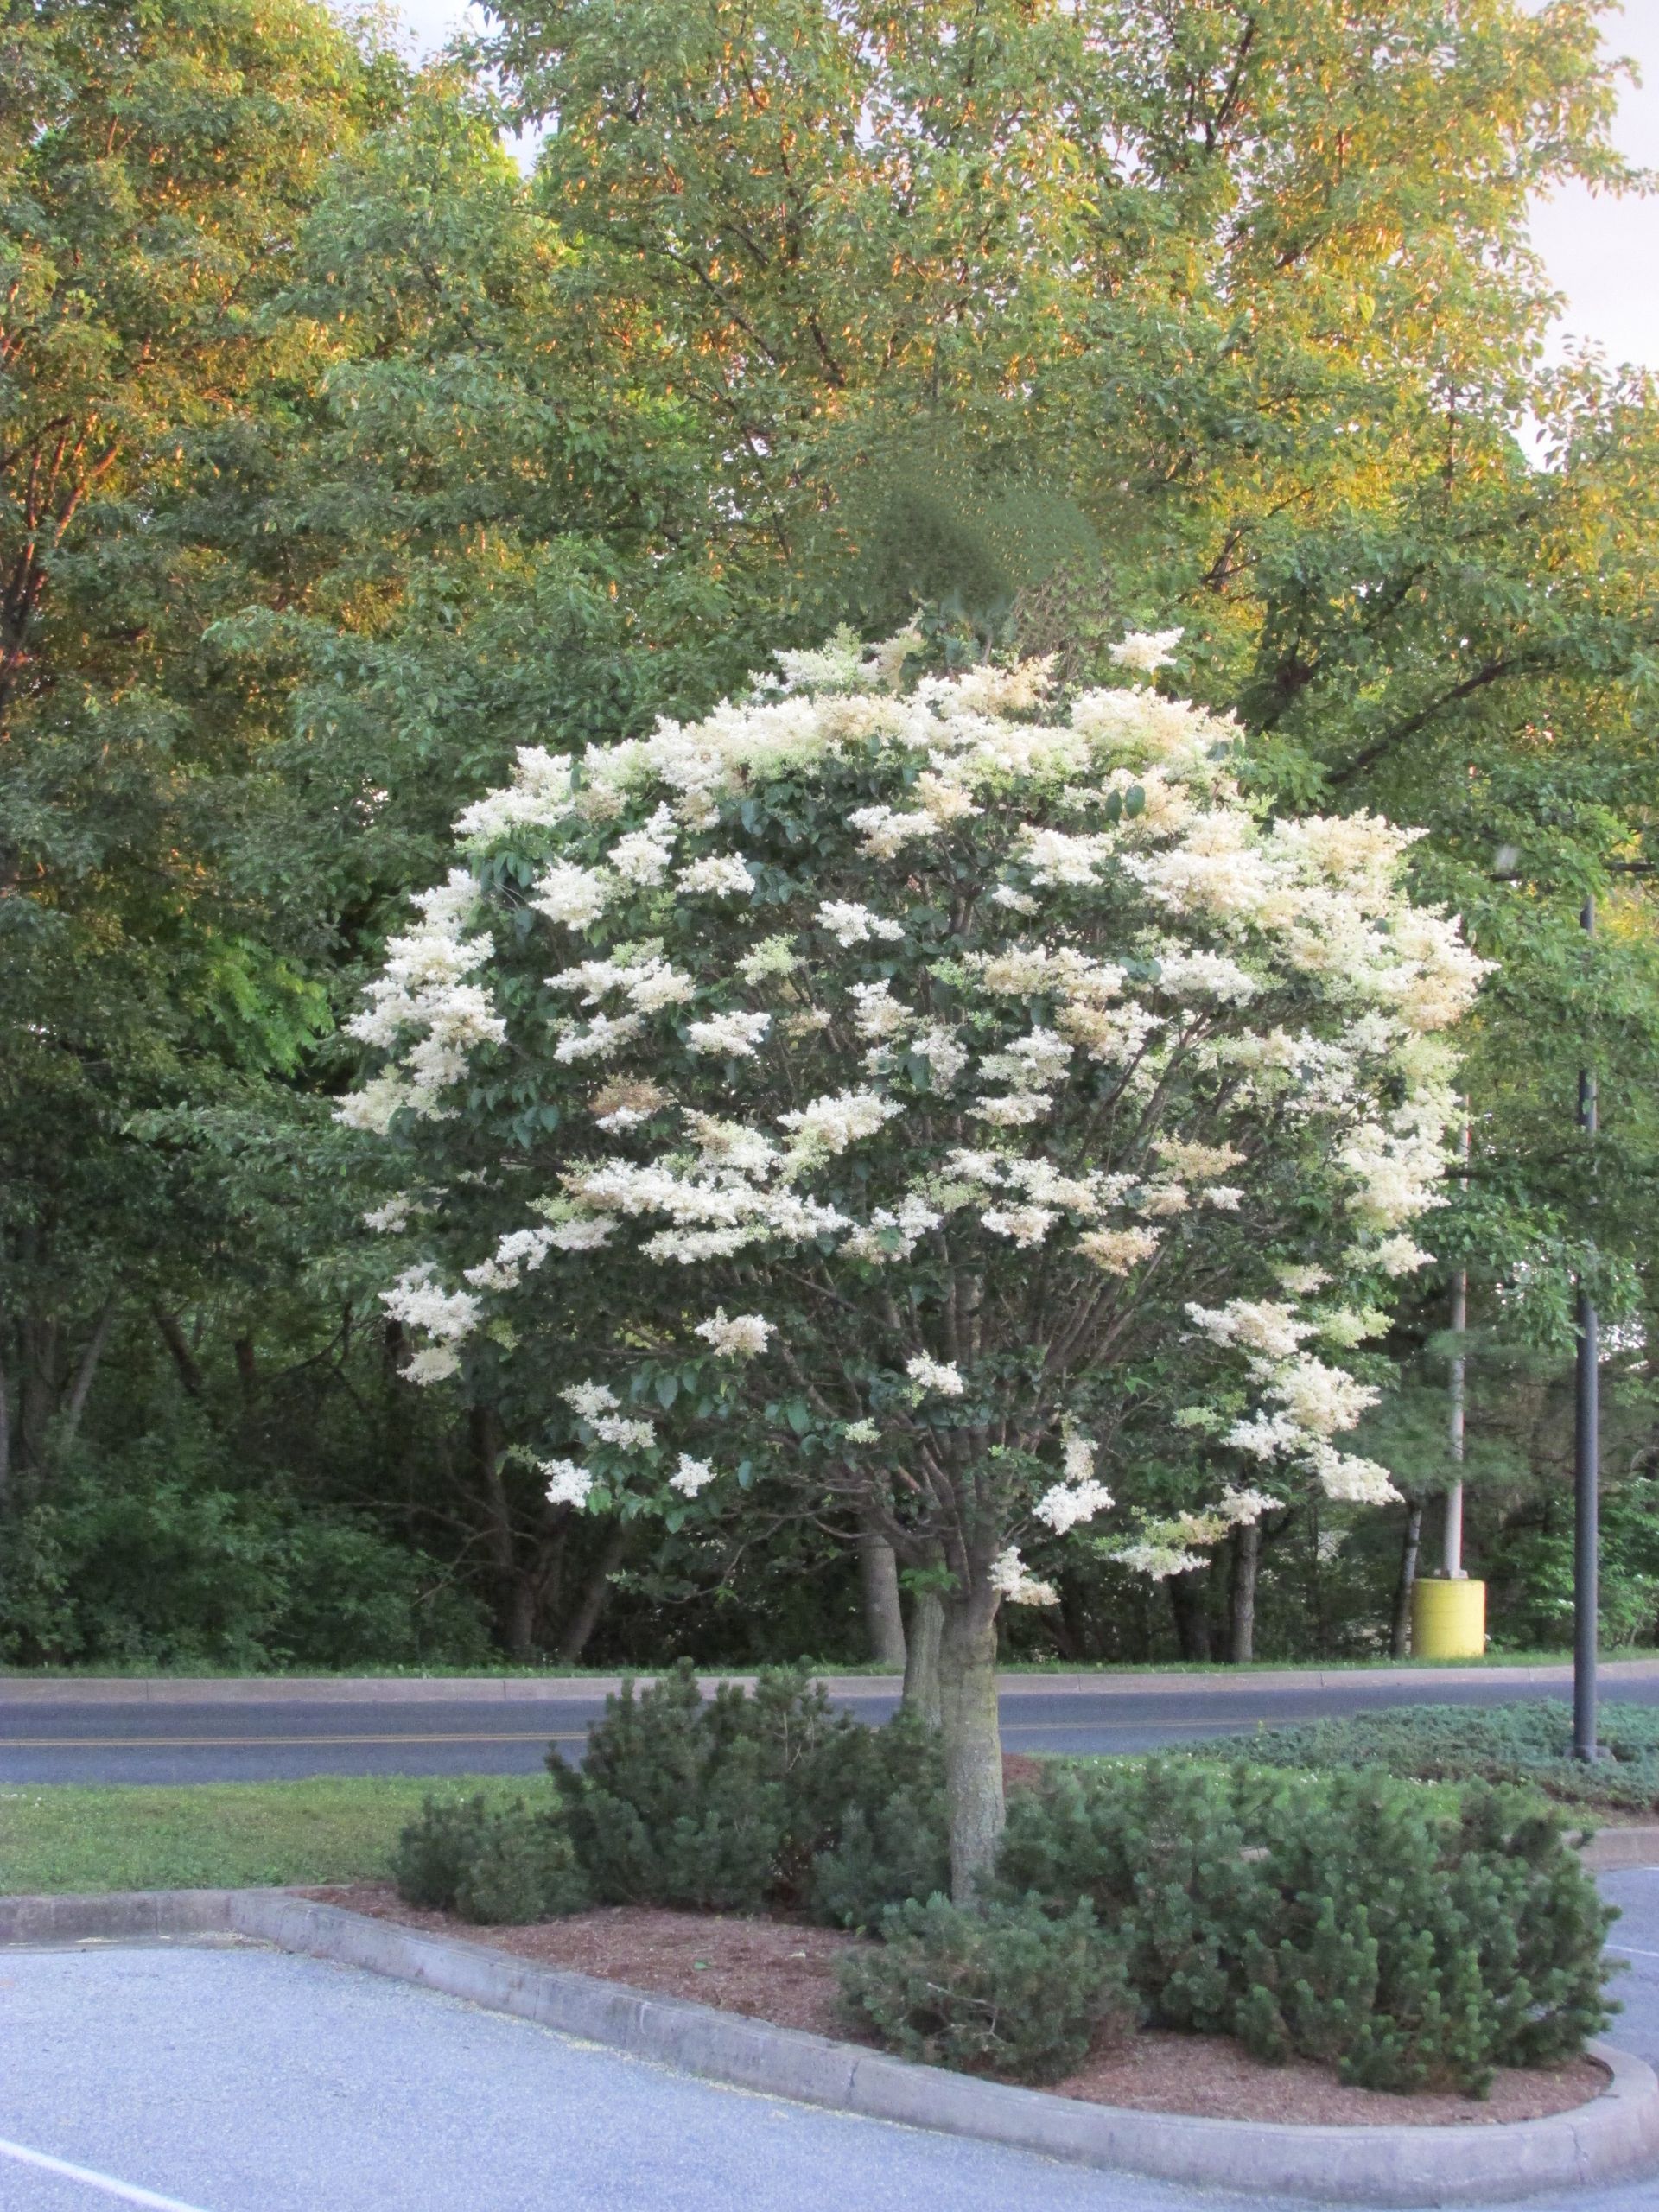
(1409, 1938)
(736, 1802)
(494, 1865)
(1529, 1742)
(1006, 1989)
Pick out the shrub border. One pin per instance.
(1614, 2138)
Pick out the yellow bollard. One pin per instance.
(1448, 1619)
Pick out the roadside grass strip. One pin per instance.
(60, 1837)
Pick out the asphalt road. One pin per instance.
(94, 1742)
(198, 2079)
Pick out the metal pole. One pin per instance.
(1454, 1559)
(1587, 1468)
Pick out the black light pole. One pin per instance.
(1587, 1468)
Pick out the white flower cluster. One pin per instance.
(690, 1476)
(735, 1036)
(741, 1336)
(1308, 1402)
(1015, 1585)
(849, 923)
(724, 874)
(423, 988)
(934, 1377)
(520, 1251)
(1145, 940)
(719, 1203)
(420, 1302)
(568, 1483)
(826, 1127)
(894, 1232)
(1146, 650)
(597, 1405)
(648, 983)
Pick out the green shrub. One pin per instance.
(1161, 1852)
(1531, 1742)
(1008, 1989)
(1411, 1939)
(495, 1865)
(895, 1850)
(146, 1564)
(734, 1802)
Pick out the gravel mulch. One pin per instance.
(780, 1971)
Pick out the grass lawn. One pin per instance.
(215, 1835)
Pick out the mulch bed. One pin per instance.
(780, 1971)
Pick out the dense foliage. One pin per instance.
(1008, 1989)
(740, 1802)
(339, 461)
(1351, 1918)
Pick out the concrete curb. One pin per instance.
(581, 1689)
(1609, 1849)
(1614, 2138)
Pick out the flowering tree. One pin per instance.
(845, 1093)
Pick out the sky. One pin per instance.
(1602, 254)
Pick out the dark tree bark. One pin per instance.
(5, 1422)
(247, 1367)
(514, 1600)
(1247, 1560)
(37, 1391)
(1189, 1602)
(579, 1628)
(184, 1359)
(1410, 1545)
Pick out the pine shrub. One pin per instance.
(1008, 1989)
(1412, 1939)
(739, 1803)
(494, 1865)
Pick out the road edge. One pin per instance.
(484, 1689)
(1614, 2138)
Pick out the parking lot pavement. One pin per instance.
(241, 2080)
(249, 2081)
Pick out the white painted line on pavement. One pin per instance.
(126, 2191)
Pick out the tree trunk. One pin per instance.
(922, 1656)
(518, 1620)
(1400, 1635)
(514, 1598)
(591, 1604)
(183, 1358)
(82, 1388)
(247, 1366)
(1189, 1601)
(5, 1421)
(37, 1394)
(884, 1619)
(973, 1740)
(1247, 1558)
